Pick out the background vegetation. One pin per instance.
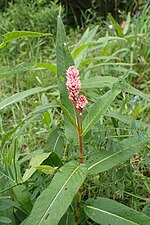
(31, 122)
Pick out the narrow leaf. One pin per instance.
(11, 36)
(106, 211)
(106, 160)
(64, 60)
(48, 66)
(127, 120)
(20, 96)
(54, 200)
(98, 108)
(99, 82)
(81, 48)
(116, 26)
(67, 113)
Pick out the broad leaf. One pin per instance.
(35, 161)
(4, 220)
(105, 160)
(54, 200)
(106, 211)
(64, 60)
(21, 95)
(98, 108)
(21, 194)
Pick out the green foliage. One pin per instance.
(106, 211)
(40, 176)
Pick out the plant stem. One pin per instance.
(79, 125)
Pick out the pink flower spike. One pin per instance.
(81, 103)
(73, 83)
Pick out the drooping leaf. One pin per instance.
(54, 200)
(21, 95)
(98, 108)
(64, 60)
(11, 36)
(106, 211)
(106, 160)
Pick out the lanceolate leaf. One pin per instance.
(106, 211)
(21, 95)
(82, 47)
(127, 120)
(11, 36)
(54, 200)
(108, 81)
(98, 108)
(105, 160)
(64, 60)
(99, 82)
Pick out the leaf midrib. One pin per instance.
(106, 212)
(133, 145)
(58, 194)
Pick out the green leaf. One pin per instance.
(106, 211)
(127, 23)
(46, 169)
(116, 26)
(35, 161)
(106, 160)
(81, 48)
(7, 71)
(21, 194)
(128, 88)
(6, 204)
(11, 36)
(55, 142)
(54, 200)
(20, 96)
(64, 60)
(4, 220)
(48, 66)
(67, 113)
(99, 82)
(98, 108)
(108, 81)
(127, 120)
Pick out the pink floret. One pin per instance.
(81, 103)
(73, 83)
